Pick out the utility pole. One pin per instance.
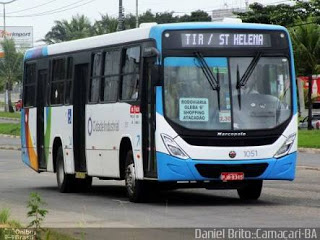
(7, 100)
(310, 81)
(137, 14)
(120, 19)
(4, 14)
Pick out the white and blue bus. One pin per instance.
(208, 105)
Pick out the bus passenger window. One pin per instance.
(111, 76)
(130, 72)
(57, 83)
(95, 78)
(29, 86)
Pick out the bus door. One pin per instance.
(148, 120)
(81, 74)
(41, 101)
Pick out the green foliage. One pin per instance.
(306, 45)
(106, 25)
(7, 222)
(36, 213)
(11, 66)
(81, 27)
(4, 216)
(196, 16)
(281, 14)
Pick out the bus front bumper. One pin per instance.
(174, 169)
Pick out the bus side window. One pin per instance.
(110, 83)
(57, 81)
(130, 74)
(95, 78)
(29, 92)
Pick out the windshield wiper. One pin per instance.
(244, 79)
(213, 81)
(239, 88)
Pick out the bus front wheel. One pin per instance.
(251, 190)
(65, 181)
(136, 189)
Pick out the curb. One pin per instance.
(309, 150)
(9, 136)
(14, 148)
(10, 119)
(309, 168)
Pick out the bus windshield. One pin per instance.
(263, 101)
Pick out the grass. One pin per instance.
(309, 138)
(10, 115)
(10, 129)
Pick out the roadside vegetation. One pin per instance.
(10, 129)
(36, 213)
(10, 115)
(309, 139)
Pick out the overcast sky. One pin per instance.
(93, 8)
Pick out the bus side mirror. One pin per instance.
(151, 52)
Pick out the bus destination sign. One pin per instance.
(220, 39)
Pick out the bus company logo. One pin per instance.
(134, 109)
(89, 126)
(232, 154)
(231, 134)
(102, 126)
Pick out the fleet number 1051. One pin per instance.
(250, 153)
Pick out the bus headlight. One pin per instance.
(285, 148)
(173, 148)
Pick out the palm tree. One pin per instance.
(106, 25)
(11, 69)
(306, 42)
(79, 27)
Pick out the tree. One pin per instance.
(79, 27)
(281, 14)
(11, 69)
(196, 16)
(306, 43)
(106, 25)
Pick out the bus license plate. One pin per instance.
(232, 176)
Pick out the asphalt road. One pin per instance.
(282, 204)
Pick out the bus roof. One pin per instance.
(154, 32)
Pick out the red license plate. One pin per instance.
(232, 176)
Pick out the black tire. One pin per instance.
(66, 182)
(136, 189)
(251, 190)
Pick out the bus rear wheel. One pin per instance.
(136, 189)
(251, 190)
(66, 182)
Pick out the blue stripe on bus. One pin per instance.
(191, 62)
(36, 53)
(159, 105)
(174, 169)
(24, 152)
